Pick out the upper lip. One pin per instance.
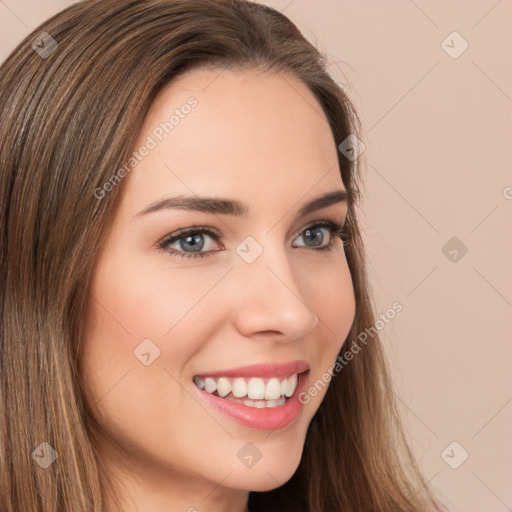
(261, 370)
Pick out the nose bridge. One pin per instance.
(269, 297)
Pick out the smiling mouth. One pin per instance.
(258, 392)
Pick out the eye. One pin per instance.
(315, 235)
(196, 242)
(191, 242)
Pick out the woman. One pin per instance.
(182, 271)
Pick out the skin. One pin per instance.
(262, 139)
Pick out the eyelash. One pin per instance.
(336, 230)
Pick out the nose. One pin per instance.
(269, 300)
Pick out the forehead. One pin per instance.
(239, 133)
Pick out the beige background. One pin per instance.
(438, 160)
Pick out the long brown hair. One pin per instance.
(70, 110)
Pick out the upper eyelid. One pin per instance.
(321, 222)
(181, 233)
(210, 230)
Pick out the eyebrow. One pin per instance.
(234, 207)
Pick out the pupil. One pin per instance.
(317, 238)
(195, 243)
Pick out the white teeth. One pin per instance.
(291, 385)
(261, 404)
(273, 389)
(254, 390)
(210, 385)
(199, 382)
(223, 387)
(239, 388)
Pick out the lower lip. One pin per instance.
(267, 418)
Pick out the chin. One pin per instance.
(269, 472)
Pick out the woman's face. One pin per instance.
(231, 293)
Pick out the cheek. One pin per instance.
(128, 398)
(142, 299)
(339, 301)
(133, 301)
(334, 304)
(332, 299)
